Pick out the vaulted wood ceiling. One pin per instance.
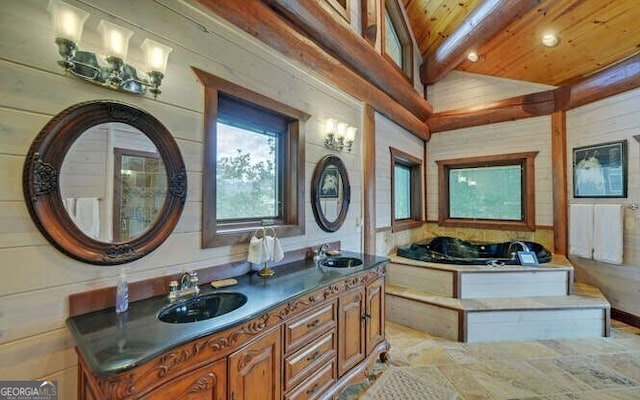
(593, 34)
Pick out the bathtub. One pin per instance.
(449, 250)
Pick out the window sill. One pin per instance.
(485, 224)
(403, 225)
(227, 237)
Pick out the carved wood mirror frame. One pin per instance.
(316, 204)
(41, 182)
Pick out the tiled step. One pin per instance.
(583, 314)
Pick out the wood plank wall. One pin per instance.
(36, 278)
(612, 119)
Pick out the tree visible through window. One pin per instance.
(253, 172)
(247, 184)
(402, 192)
(496, 192)
(406, 191)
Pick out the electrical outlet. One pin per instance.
(358, 224)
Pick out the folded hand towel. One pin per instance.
(581, 230)
(608, 233)
(256, 251)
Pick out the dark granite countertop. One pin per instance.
(113, 343)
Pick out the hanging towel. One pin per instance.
(256, 250)
(278, 254)
(581, 230)
(607, 233)
(70, 206)
(268, 247)
(87, 216)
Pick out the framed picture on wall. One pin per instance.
(600, 170)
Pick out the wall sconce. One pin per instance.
(114, 73)
(339, 135)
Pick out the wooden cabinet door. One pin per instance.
(254, 370)
(351, 332)
(374, 314)
(205, 383)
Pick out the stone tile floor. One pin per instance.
(559, 369)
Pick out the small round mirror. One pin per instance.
(330, 193)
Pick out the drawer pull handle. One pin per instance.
(313, 323)
(366, 317)
(313, 389)
(314, 356)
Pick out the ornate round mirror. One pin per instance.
(105, 182)
(330, 193)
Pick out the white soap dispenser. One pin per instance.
(122, 293)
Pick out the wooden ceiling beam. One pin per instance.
(531, 105)
(342, 42)
(615, 79)
(484, 22)
(608, 82)
(260, 21)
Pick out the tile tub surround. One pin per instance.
(562, 369)
(475, 303)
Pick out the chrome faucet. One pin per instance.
(320, 253)
(188, 286)
(518, 242)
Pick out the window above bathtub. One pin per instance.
(493, 192)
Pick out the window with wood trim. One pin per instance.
(341, 7)
(495, 192)
(397, 46)
(406, 191)
(254, 165)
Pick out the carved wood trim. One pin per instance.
(252, 358)
(99, 299)
(192, 355)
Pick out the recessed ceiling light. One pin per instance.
(473, 56)
(550, 40)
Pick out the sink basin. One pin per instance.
(341, 262)
(202, 307)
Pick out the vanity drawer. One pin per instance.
(315, 385)
(308, 326)
(305, 361)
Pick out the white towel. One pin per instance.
(70, 206)
(581, 230)
(87, 216)
(256, 251)
(607, 233)
(278, 254)
(273, 249)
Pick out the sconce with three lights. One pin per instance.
(339, 135)
(111, 70)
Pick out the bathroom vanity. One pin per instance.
(306, 333)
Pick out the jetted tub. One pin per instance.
(449, 250)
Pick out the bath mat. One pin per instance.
(400, 383)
